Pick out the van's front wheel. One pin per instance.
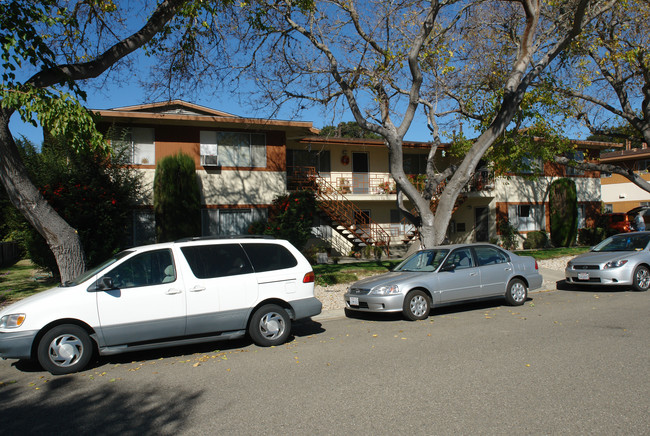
(65, 349)
(270, 325)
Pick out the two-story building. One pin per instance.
(618, 193)
(244, 163)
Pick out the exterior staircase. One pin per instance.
(342, 214)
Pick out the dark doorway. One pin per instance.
(482, 220)
(360, 168)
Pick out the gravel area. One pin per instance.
(332, 296)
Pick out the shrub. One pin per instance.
(536, 240)
(176, 198)
(591, 236)
(508, 234)
(291, 218)
(564, 212)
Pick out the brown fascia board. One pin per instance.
(362, 142)
(170, 103)
(127, 117)
(591, 145)
(620, 155)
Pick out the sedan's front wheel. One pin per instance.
(416, 305)
(641, 280)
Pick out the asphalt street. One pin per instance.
(566, 362)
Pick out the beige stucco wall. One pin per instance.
(521, 190)
(229, 187)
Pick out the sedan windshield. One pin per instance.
(624, 242)
(428, 260)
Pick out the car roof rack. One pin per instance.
(208, 238)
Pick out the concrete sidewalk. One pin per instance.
(551, 277)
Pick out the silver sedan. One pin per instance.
(620, 260)
(445, 275)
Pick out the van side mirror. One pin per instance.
(103, 284)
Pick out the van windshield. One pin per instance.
(93, 271)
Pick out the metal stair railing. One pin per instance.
(339, 209)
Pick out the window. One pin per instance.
(415, 163)
(219, 222)
(643, 165)
(577, 156)
(608, 208)
(490, 256)
(269, 257)
(320, 160)
(530, 165)
(526, 217)
(233, 149)
(146, 269)
(460, 259)
(137, 144)
(144, 227)
(221, 260)
(582, 219)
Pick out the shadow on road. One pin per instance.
(60, 408)
(562, 285)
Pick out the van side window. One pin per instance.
(219, 260)
(269, 257)
(146, 269)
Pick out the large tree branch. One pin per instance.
(608, 168)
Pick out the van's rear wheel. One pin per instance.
(270, 325)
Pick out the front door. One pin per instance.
(481, 216)
(459, 278)
(360, 168)
(148, 302)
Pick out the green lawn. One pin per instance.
(22, 280)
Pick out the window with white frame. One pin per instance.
(221, 222)
(233, 149)
(526, 217)
(608, 208)
(136, 144)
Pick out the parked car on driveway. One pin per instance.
(183, 292)
(619, 222)
(620, 260)
(445, 275)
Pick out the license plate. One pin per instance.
(583, 276)
(354, 301)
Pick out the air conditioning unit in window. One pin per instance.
(209, 160)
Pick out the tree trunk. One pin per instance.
(62, 239)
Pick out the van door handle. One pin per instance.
(197, 288)
(173, 291)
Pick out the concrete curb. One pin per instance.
(551, 277)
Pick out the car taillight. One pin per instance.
(309, 277)
(536, 266)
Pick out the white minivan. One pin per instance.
(187, 291)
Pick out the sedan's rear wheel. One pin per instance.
(65, 349)
(416, 305)
(517, 292)
(641, 280)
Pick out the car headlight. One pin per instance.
(615, 264)
(385, 290)
(12, 321)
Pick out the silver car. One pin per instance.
(620, 260)
(445, 275)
